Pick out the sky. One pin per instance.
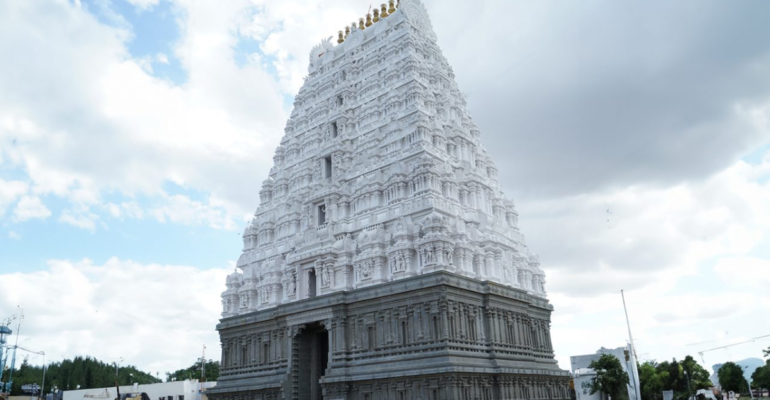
(634, 138)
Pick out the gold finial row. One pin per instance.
(384, 11)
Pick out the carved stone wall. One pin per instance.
(442, 331)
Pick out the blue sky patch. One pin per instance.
(155, 31)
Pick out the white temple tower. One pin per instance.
(384, 260)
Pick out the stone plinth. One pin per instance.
(434, 336)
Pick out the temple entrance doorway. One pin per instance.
(313, 361)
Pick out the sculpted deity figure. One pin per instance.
(305, 217)
(325, 275)
(293, 283)
(365, 269)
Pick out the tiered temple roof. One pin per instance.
(381, 175)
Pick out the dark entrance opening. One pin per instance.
(313, 361)
(311, 283)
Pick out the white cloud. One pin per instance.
(143, 4)
(30, 207)
(125, 210)
(182, 210)
(82, 219)
(146, 64)
(684, 255)
(111, 126)
(641, 235)
(158, 313)
(161, 58)
(288, 30)
(10, 191)
(14, 235)
(750, 272)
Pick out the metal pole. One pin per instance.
(117, 387)
(9, 384)
(4, 330)
(747, 383)
(689, 389)
(203, 366)
(42, 386)
(633, 349)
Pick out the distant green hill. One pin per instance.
(86, 372)
(749, 366)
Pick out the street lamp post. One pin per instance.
(42, 386)
(117, 386)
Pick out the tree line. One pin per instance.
(194, 372)
(90, 373)
(683, 377)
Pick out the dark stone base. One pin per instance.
(438, 336)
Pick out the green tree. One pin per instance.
(610, 378)
(86, 372)
(194, 372)
(731, 378)
(650, 381)
(672, 375)
(761, 377)
(699, 377)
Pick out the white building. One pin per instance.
(579, 365)
(178, 390)
(583, 378)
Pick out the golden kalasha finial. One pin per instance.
(391, 6)
(368, 20)
(340, 39)
(384, 11)
(353, 26)
(347, 31)
(361, 24)
(376, 15)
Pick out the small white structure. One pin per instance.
(583, 378)
(707, 393)
(178, 390)
(627, 361)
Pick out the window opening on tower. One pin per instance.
(334, 129)
(328, 165)
(321, 214)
